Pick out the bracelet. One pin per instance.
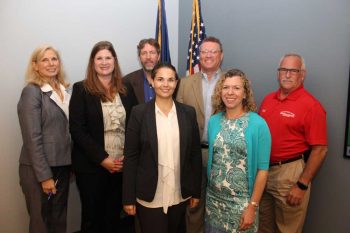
(254, 203)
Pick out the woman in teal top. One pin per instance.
(239, 153)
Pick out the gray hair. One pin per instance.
(303, 66)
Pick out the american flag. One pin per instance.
(162, 33)
(197, 35)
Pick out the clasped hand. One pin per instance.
(113, 165)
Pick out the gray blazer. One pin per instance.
(45, 132)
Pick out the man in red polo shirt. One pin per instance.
(297, 123)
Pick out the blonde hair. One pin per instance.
(248, 102)
(34, 77)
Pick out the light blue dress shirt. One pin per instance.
(208, 87)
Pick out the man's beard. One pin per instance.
(147, 69)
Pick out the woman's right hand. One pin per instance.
(193, 202)
(109, 164)
(130, 209)
(119, 164)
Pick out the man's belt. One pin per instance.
(286, 161)
(204, 145)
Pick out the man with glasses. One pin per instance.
(297, 123)
(140, 80)
(196, 90)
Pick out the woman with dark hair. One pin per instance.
(45, 158)
(239, 152)
(162, 170)
(99, 111)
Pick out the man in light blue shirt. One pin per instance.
(196, 90)
(208, 86)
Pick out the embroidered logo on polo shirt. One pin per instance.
(287, 114)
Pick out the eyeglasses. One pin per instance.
(291, 71)
(151, 53)
(211, 52)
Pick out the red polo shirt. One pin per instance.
(296, 123)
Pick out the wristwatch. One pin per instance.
(302, 186)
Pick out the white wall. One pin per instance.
(73, 27)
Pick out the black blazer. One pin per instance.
(141, 154)
(87, 128)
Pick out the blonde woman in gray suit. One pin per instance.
(46, 152)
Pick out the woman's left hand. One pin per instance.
(247, 218)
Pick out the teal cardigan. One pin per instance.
(258, 141)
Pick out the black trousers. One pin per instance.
(154, 220)
(100, 195)
(46, 215)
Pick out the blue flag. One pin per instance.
(162, 33)
(197, 35)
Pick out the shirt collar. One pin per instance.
(215, 76)
(172, 110)
(46, 88)
(145, 80)
(293, 95)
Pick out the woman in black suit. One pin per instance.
(99, 111)
(162, 166)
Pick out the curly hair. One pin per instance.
(34, 77)
(248, 102)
